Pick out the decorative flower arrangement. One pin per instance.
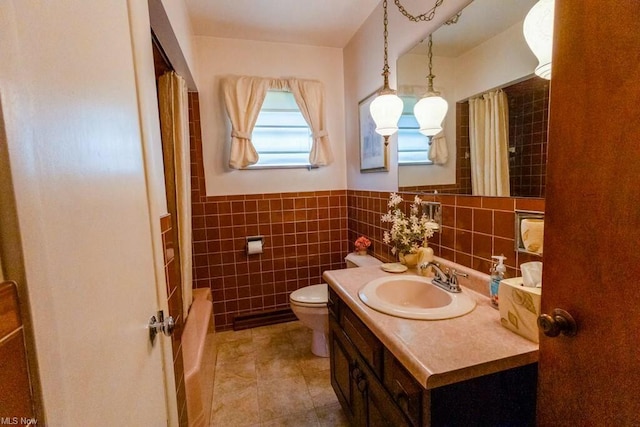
(407, 234)
(362, 243)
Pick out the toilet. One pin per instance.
(309, 304)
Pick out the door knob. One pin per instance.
(559, 321)
(161, 324)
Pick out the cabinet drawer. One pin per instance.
(363, 339)
(405, 391)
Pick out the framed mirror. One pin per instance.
(480, 51)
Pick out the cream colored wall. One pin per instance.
(363, 60)
(502, 59)
(181, 25)
(220, 57)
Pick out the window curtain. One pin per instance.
(309, 96)
(243, 97)
(489, 141)
(174, 122)
(438, 151)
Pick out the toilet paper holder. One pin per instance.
(250, 240)
(527, 218)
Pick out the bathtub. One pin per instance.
(198, 354)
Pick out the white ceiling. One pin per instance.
(329, 23)
(478, 22)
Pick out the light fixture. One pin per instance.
(432, 108)
(386, 109)
(538, 32)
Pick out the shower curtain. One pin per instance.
(174, 122)
(489, 141)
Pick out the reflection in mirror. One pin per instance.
(483, 52)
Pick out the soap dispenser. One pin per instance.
(497, 274)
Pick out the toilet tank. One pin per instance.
(355, 260)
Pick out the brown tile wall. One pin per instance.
(528, 124)
(474, 228)
(305, 234)
(174, 292)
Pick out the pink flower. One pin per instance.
(362, 243)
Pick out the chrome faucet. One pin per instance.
(445, 280)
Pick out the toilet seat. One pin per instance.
(310, 296)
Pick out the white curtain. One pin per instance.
(438, 151)
(243, 97)
(489, 141)
(174, 121)
(309, 96)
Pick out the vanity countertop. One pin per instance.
(438, 352)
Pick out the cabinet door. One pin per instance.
(344, 372)
(361, 395)
(380, 408)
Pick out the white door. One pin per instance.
(74, 135)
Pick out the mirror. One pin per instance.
(479, 50)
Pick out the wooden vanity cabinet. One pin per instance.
(375, 389)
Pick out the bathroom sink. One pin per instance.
(414, 297)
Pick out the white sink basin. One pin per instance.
(414, 297)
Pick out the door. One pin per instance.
(592, 227)
(84, 201)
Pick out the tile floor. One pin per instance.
(267, 376)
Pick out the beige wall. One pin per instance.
(363, 60)
(219, 57)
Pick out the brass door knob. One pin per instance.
(558, 322)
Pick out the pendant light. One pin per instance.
(538, 32)
(386, 109)
(432, 108)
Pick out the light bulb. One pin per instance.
(386, 110)
(538, 32)
(430, 112)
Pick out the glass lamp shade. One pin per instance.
(386, 110)
(430, 112)
(538, 32)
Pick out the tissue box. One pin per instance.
(519, 308)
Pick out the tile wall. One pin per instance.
(528, 124)
(174, 292)
(305, 234)
(474, 228)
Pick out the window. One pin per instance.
(413, 147)
(281, 136)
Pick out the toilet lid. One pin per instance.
(314, 294)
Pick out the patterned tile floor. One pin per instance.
(267, 376)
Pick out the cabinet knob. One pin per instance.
(402, 400)
(559, 321)
(356, 373)
(362, 385)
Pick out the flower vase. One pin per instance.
(410, 259)
(362, 252)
